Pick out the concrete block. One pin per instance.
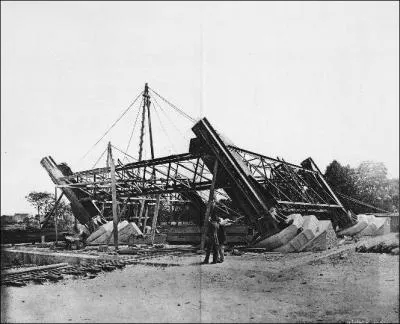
(325, 239)
(284, 236)
(310, 229)
(385, 228)
(100, 231)
(136, 228)
(124, 234)
(374, 225)
(355, 229)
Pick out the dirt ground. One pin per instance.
(350, 287)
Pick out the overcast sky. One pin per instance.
(287, 79)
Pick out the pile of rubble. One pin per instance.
(390, 246)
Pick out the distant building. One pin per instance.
(20, 217)
(13, 219)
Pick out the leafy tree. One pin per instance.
(367, 183)
(341, 178)
(394, 193)
(372, 184)
(44, 202)
(40, 200)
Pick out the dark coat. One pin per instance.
(221, 234)
(212, 233)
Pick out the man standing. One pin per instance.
(212, 242)
(221, 239)
(222, 236)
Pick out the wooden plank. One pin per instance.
(155, 216)
(141, 211)
(145, 219)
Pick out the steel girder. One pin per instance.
(291, 185)
(175, 173)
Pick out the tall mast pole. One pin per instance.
(145, 95)
(147, 99)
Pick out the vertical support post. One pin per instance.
(55, 213)
(208, 210)
(145, 219)
(143, 202)
(155, 216)
(114, 196)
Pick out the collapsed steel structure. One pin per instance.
(262, 189)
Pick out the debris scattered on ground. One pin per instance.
(381, 247)
(236, 252)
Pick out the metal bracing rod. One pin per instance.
(288, 169)
(308, 204)
(98, 209)
(135, 165)
(47, 217)
(264, 177)
(96, 186)
(269, 181)
(298, 184)
(305, 183)
(321, 184)
(136, 200)
(312, 181)
(296, 191)
(195, 169)
(161, 160)
(183, 182)
(152, 190)
(235, 148)
(139, 165)
(326, 184)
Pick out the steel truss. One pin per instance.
(294, 187)
(171, 174)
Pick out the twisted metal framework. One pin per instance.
(175, 173)
(295, 188)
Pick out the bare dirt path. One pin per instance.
(350, 287)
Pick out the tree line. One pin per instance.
(367, 183)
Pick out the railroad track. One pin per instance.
(40, 275)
